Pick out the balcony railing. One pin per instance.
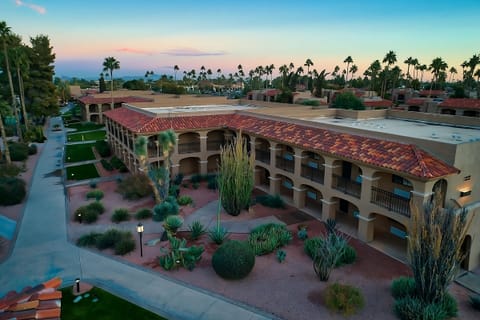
(347, 186)
(391, 201)
(189, 147)
(214, 145)
(313, 174)
(262, 156)
(284, 164)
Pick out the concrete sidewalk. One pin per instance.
(42, 252)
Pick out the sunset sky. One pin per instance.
(156, 35)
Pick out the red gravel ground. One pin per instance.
(289, 290)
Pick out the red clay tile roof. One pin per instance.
(97, 100)
(416, 101)
(463, 103)
(431, 93)
(376, 152)
(378, 103)
(40, 302)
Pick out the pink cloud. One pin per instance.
(34, 7)
(190, 52)
(135, 51)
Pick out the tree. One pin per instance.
(235, 178)
(175, 69)
(353, 70)
(319, 83)
(41, 95)
(389, 59)
(435, 243)
(21, 63)
(348, 100)
(110, 64)
(437, 67)
(308, 63)
(347, 60)
(167, 140)
(101, 83)
(372, 72)
(452, 72)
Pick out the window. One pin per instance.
(399, 180)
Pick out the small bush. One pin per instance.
(268, 237)
(109, 238)
(93, 184)
(96, 194)
(212, 183)
(135, 187)
(166, 208)
(281, 255)
(172, 223)
(270, 201)
(88, 240)
(116, 162)
(408, 308)
(184, 200)
(124, 246)
(9, 170)
(402, 287)
(106, 165)
(18, 151)
(12, 191)
(302, 234)
(174, 190)
(475, 301)
(197, 229)
(450, 306)
(233, 260)
(89, 216)
(103, 148)
(96, 206)
(196, 178)
(178, 179)
(144, 213)
(218, 235)
(344, 299)
(120, 215)
(32, 149)
(311, 246)
(349, 256)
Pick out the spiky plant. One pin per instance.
(167, 140)
(142, 154)
(235, 179)
(435, 240)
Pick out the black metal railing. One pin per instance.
(390, 201)
(262, 156)
(214, 145)
(347, 186)
(313, 174)
(189, 147)
(284, 164)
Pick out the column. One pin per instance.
(203, 166)
(367, 183)
(274, 185)
(328, 209)
(298, 162)
(366, 227)
(329, 168)
(299, 197)
(203, 142)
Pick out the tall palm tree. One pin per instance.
(6, 36)
(422, 68)
(452, 72)
(347, 60)
(308, 63)
(373, 71)
(283, 70)
(175, 69)
(408, 62)
(20, 60)
(167, 140)
(414, 64)
(141, 151)
(389, 59)
(353, 70)
(436, 67)
(110, 64)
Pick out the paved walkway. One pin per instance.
(41, 252)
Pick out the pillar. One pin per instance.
(366, 227)
(328, 209)
(203, 166)
(203, 142)
(298, 162)
(274, 185)
(299, 197)
(329, 168)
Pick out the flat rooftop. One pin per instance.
(198, 108)
(412, 129)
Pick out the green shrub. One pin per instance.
(475, 301)
(135, 187)
(166, 208)
(180, 255)
(32, 149)
(450, 306)
(344, 299)
(144, 213)
(349, 256)
(79, 213)
(212, 183)
(311, 246)
(218, 235)
(268, 237)
(184, 200)
(172, 223)
(302, 234)
(89, 239)
(313, 103)
(9, 170)
(270, 201)
(120, 214)
(93, 184)
(18, 151)
(408, 308)
(124, 246)
(178, 179)
(174, 190)
(109, 238)
(106, 165)
(89, 216)
(412, 308)
(96, 206)
(12, 191)
(197, 229)
(233, 260)
(402, 287)
(281, 255)
(96, 194)
(196, 178)
(116, 162)
(103, 148)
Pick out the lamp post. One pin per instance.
(77, 282)
(140, 233)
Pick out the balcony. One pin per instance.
(391, 201)
(189, 147)
(313, 174)
(214, 145)
(347, 186)
(262, 156)
(285, 164)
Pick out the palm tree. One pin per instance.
(110, 64)
(141, 151)
(353, 70)
(408, 62)
(20, 60)
(422, 68)
(308, 63)
(373, 71)
(347, 60)
(390, 59)
(167, 140)
(415, 63)
(6, 35)
(283, 70)
(436, 67)
(175, 69)
(452, 72)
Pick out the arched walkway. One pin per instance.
(262, 150)
(286, 188)
(346, 178)
(188, 142)
(390, 236)
(346, 215)
(213, 163)
(189, 166)
(313, 200)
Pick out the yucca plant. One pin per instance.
(172, 224)
(196, 230)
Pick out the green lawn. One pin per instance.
(79, 152)
(85, 126)
(86, 136)
(108, 307)
(82, 172)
